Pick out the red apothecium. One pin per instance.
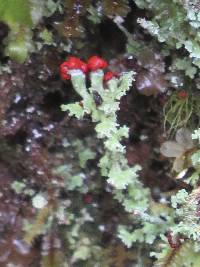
(109, 75)
(95, 63)
(76, 63)
(182, 94)
(64, 71)
(70, 64)
(87, 198)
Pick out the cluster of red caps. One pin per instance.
(94, 63)
(182, 94)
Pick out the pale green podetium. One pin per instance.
(113, 164)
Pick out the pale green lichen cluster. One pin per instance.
(154, 219)
(127, 188)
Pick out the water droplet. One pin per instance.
(17, 98)
(36, 133)
(30, 109)
(48, 127)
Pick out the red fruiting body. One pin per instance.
(109, 75)
(182, 94)
(64, 71)
(96, 63)
(87, 198)
(76, 63)
(70, 64)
